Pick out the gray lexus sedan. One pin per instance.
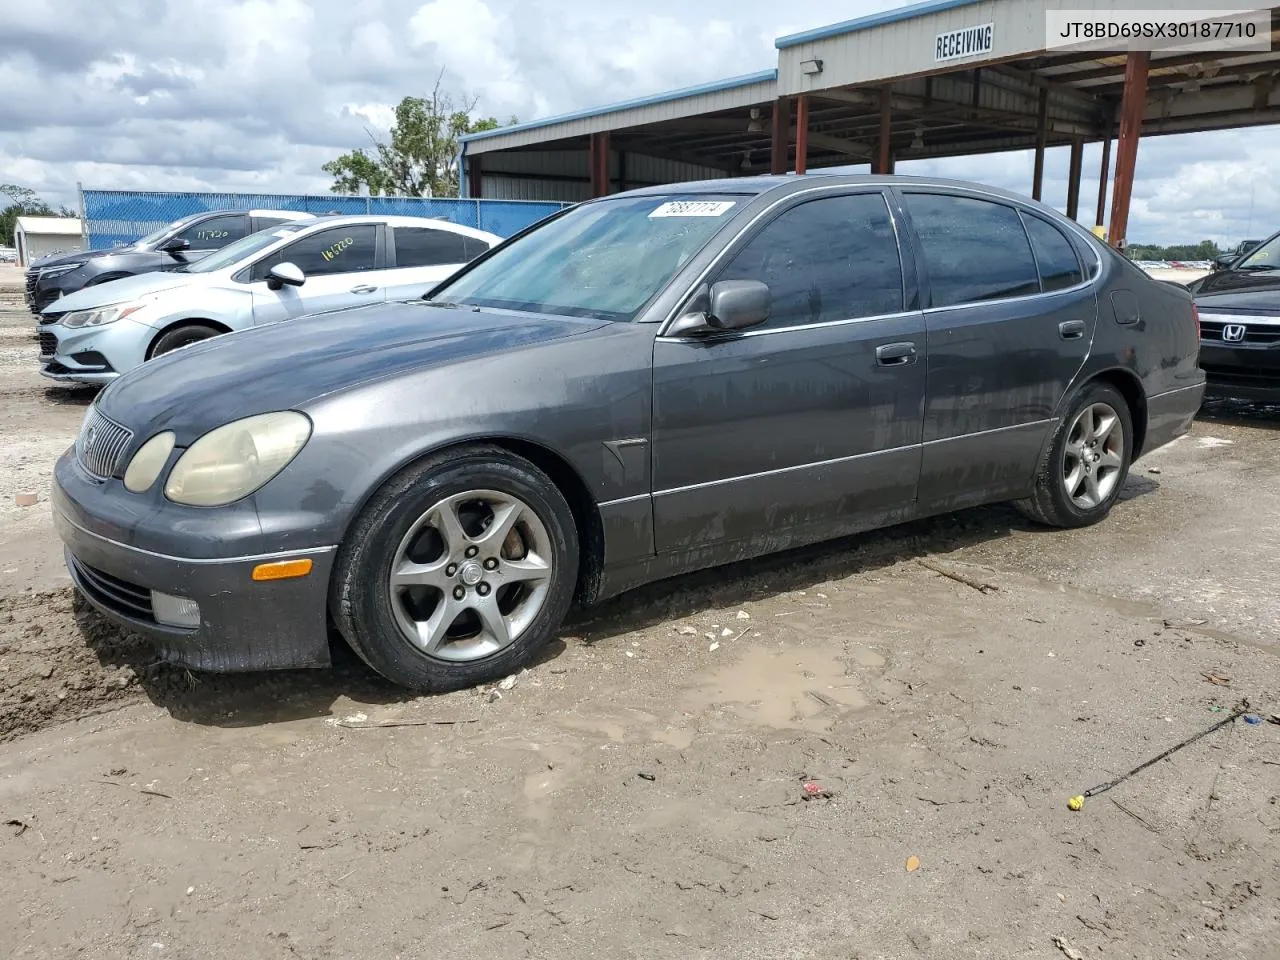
(640, 386)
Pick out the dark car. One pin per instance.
(638, 387)
(1225, 261)
(1240, 325)
(173, 246)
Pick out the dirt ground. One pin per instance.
(640, 792)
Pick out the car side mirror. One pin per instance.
(738, 304)
(728, 305)
(175, 245)
(1221, 263)
(285, 273)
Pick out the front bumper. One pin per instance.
(244, 624)
(91, 354)
(1246, 371)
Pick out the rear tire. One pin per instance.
(459, 570)
(1086, 463)
(172, 340)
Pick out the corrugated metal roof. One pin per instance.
(763, 76)
(871, 20)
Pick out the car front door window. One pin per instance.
(214, 233)
(829, 259)
(350, 249)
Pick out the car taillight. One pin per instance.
(1195, 315)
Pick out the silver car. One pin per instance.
(276, 274)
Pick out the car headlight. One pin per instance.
(148, 462)
(60, 270)
(236, 459)
(100, 315)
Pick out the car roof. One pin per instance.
(292, 214)
(396, 220)
(790, 183)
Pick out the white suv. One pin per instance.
(276, 274)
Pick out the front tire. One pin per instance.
(1086, 463)
(172, 340)
(458, 571)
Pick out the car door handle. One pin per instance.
(363, 288)
(896, 354)
(1071, 329)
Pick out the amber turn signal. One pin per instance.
(282, 570)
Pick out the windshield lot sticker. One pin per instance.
(692, 208)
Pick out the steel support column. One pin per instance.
(780, 146)
(884, 160)
(802, 133)
(1103, 177)
(1042, 128)
(599, 161)
(475, 181)
(1132, 108)
(1074, 170)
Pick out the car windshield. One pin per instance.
(605, 259)
(1263, 257)
(156, 235)
(233, 253)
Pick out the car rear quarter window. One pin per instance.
(974, 250)
(425, 247)
(214, 233)
(835, 258)
(1055, 257)
(338, 250)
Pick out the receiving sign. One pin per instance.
(968, 42)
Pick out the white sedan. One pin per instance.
(276, 274)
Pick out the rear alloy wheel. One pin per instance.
(1086, 464)
(459, 571)
(172, 340)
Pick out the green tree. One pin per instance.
(421, 158)
(23, 202)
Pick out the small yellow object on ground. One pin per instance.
(1075, 803)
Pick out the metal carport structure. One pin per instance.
(875, 90)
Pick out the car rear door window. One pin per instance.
(214, 233)
(835, 258)
(338, 250)
(425, 247)
(1056, 258)
(974, 250)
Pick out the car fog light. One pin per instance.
(174, 611)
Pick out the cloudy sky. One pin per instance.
(257, 94)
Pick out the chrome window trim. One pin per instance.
(1092, 272)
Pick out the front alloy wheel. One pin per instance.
(458, 571)
(471, 575)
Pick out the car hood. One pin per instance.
(284, 365)
(1241, 281)
(123, 290)
(61, 258)
(1257, 299)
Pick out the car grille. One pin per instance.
(1254, 333)
(121, 596)
(32, 277)
(48, 344)
(101, 444)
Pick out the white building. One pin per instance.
(37, 237)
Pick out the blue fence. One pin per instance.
(117, 217)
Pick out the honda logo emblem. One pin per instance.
(1233, 332)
